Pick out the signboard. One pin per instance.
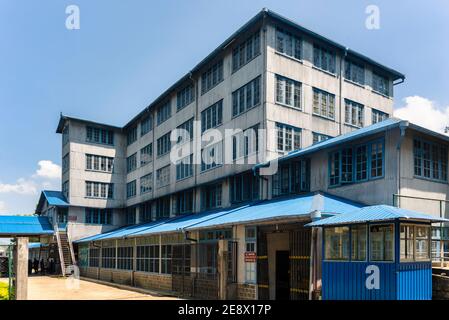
(250, 256)
(73, 218)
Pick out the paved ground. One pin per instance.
(54, 288)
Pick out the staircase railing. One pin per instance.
(61, 254)
(69, 242)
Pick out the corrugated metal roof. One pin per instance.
(254, 212)
(55, 198)
(375, 213)
(281, 209)
(35, 245)
(24, 226)
(356, 134)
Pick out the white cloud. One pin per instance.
(425, 113)
(48, 169)
(22, 186)
(2, 207)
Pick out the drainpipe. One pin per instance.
(340, 90)
(196, 135)
(402, 127)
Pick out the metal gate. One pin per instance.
(262, 266)
(300, 242)
(194, 270)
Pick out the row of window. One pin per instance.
(99, 163)
(245, 52)
(99, 190)
(246, 98)
(291, 178)
(356, 164)
(99, 135)
(98, 216)
(430, 160)
(351, 243)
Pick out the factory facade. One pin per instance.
(307, 131)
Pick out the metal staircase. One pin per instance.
(65, 249)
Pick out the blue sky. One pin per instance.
(127, 52)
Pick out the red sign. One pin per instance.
(250, 256)
(72, 218)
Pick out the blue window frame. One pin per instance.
(357, 164)
(430, 160)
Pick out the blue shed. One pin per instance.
(377, 253)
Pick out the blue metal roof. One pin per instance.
(356, 134)
(299, 206)
(24, 226)
(35, 245)
(375, 213)
(256, 212)
(53, 198)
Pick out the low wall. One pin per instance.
(440, 287)
(246, 291)
(153, 281)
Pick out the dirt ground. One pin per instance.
(58, 288)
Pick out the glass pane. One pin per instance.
(337, 243)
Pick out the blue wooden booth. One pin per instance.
(377, 253)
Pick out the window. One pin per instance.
(246, 98)
(354, 113)
(376, 159)
(130, 215)
(163, 144)
(184, 168)
(94, 257)
(212, 77)
(98, 135)
(359, 242)
(430, 160)
(163, 177)
(146, 125)
(125, 258)
(318, 137)
(65, 189)
(346, 165)
(147, 258)
(186, 131)
(244, 187)
(378, 116)
(324, 59)
(364, 161)
(131, 189)
(163, 207)
(131, 136)
(422, 243)
(407, 245)
(288, 138)
(212, 117)
(145, 212)
(211, 197)
(98, 216)
(323, 104)
(380, 84)
(355, 72)
(337, 243)
(288, 44)
(291, 178)
(245, 143)
(251, 243)
(288, 92)
(185, 97)
(146, 183)
(183, 202)
(99, 163)
(146, 154)
(166, 256)
(164, 113)
(212, 156)
(65, 135)
(381, 242)
(361, 163)
(66, 162)
(99, 190)
(245, 52)
(108, 257)
(131, 163)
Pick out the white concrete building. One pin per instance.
(271, 74)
